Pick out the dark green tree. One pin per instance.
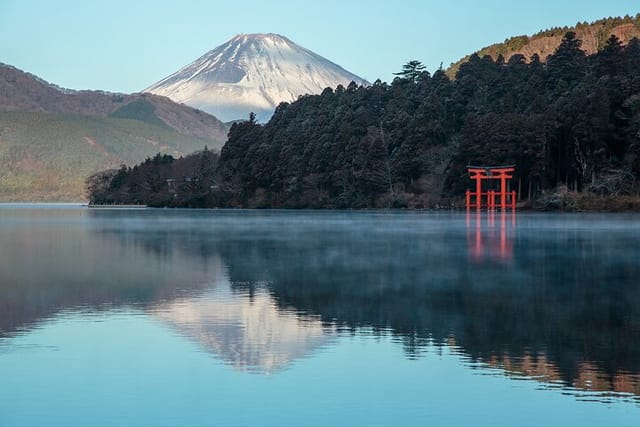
(411, 71)
(568, 63)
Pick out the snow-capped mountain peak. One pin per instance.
(252, 73)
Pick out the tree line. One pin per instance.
(570, 121)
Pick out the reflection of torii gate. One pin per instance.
(480, 173)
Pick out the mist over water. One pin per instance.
(402, 313)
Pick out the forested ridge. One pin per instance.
(571, 125)
(594, 36)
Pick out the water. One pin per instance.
(198, 318)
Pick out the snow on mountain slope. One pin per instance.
(252, 73)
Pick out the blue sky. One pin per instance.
(127, 45)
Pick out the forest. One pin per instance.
(570, 123)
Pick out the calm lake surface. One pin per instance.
(225, 318)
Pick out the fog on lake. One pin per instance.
(265, 317)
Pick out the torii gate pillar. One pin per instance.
(480, 173)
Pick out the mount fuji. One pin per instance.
(252, 73)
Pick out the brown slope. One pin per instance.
(593, 35)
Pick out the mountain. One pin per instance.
(544, 43)
(52, 139)
(252, 73)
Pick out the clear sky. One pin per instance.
(126, 45)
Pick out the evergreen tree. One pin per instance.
(569, 60)
(411, 71)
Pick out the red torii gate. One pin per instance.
(480, 173)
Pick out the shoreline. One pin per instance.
(92, 206)
(548, 202)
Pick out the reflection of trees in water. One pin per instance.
(561, 303)
(561, 306)
(45, 271)
(554, 301)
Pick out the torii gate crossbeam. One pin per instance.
(482, 173)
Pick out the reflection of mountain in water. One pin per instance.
(250, 333)
(563, 297)
(50, 261)
(48, 265)
(561, 307)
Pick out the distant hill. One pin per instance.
(593, 35)
(48, 156)
(252, 73)
(20, 91)
(52, 139)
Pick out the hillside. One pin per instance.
(593, 35)
(48, 156)
(52, 139)
(21, 91)
(252, 73)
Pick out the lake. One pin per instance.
(147, 317)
